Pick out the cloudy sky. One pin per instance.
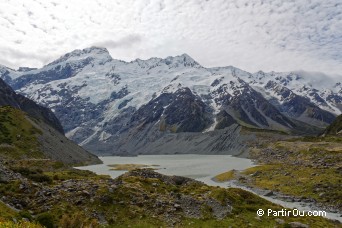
(279, 35)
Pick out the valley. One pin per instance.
(181, 145)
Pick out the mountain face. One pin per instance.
(30, 131)
(116, 107)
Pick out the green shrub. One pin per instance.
(25, 214)
(46, 220)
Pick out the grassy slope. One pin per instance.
(18, 137)
(23, 137)
(6, 212)
(335, 127)
(308, 167)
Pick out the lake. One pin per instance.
(199, 167)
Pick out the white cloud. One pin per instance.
(261, 34)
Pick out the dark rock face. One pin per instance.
(335, 98)
(44, 77)
(251, 107)
(4, 75)
(295, 106)
(181, 111)
(224, 120)
(9, 97)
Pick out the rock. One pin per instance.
(177, 206)
(19, 206)
(68, 184)
(280, 221)
(298, 225)
(22, 187)
(269, 193)
(85, 193)
(25, 219)
(257, 173)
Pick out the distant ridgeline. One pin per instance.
(160, 105)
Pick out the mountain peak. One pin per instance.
(96, 50)
(181, 60)
(92, 52)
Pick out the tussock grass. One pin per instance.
(226, 176)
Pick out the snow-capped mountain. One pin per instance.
(113, 106)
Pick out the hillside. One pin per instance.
(335, 128)
(23, 137)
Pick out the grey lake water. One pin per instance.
(200, 167)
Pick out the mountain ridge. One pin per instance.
(94, 95)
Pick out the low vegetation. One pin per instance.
(307, 169)
(18, 137)
(21, 224)
(226, 176)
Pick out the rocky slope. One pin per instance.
(105, 103)
(28, 130)
(295, 169)
(139, 198)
